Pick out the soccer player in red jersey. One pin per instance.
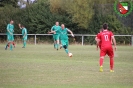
(106, 47)
(98, 45)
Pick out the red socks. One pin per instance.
(101, 61)
(111, 63)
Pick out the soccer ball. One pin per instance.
(70, 54)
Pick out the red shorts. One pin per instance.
(107, 50)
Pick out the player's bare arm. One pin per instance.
(10, 32)
(98, 40)
(51, 32)
(114, 42)
(96, 43)
(19, 25)
(95, 38)
(70, 32)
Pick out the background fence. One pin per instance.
(80, 38)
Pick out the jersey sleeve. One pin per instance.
(25, 31)
(99, 36)
(8, 27)
(52, 29)
(111, 34)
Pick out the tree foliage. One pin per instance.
(81, 11)
(81, 16)
(4, 3)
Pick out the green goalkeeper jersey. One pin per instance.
(63, 34)
(24, 31)
(56, 29)
(10, 28)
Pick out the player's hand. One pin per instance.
(74, 38)
(48, 32)
(115, 48)
(97, 48)
(11, 34)
(54, 32)
(19, 24)
(72, 35)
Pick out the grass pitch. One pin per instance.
(41, 66)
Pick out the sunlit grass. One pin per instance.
(41, 66)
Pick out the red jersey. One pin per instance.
(105, 38)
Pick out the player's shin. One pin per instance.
(101, 61)
(24, 43)
(6, 46)
(65, 47)
(57, 44)
(66, 50)
(11, 46)
(101, 64)
(111, 63)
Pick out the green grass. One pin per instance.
(41, 66)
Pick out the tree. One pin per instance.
(80, 11)
(4, 3)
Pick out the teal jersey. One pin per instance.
(24, 31)
(10, 28)
(63, 34)
(56, 29)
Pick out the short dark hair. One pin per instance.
(105, 26)
(22, 25)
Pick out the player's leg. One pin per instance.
(24, 44)
(11, 42)
(63, 42)
(54, 41)
(67, 44)
(111, 56)
(101, 60)
(11, 45)
(14, 44)
(60, 43)
(7, 45)
(101, 63)
(24, 41)
(111, 64)
(57, 44)
(8, 39)
(57, 39)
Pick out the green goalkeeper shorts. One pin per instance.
(10, 38)
(25, 38)
(56, 37)
(65, 42)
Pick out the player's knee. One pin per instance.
(64, 46)
(102, 57)
(111, 57)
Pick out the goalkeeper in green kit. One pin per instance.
(10, 37)
(64, 37)
(24, 34)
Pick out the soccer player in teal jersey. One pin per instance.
(64, 37)
(10, 38)
(24, 34)
(56, 33)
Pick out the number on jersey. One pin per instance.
(106, 37)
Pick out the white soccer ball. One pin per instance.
(70, 54)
